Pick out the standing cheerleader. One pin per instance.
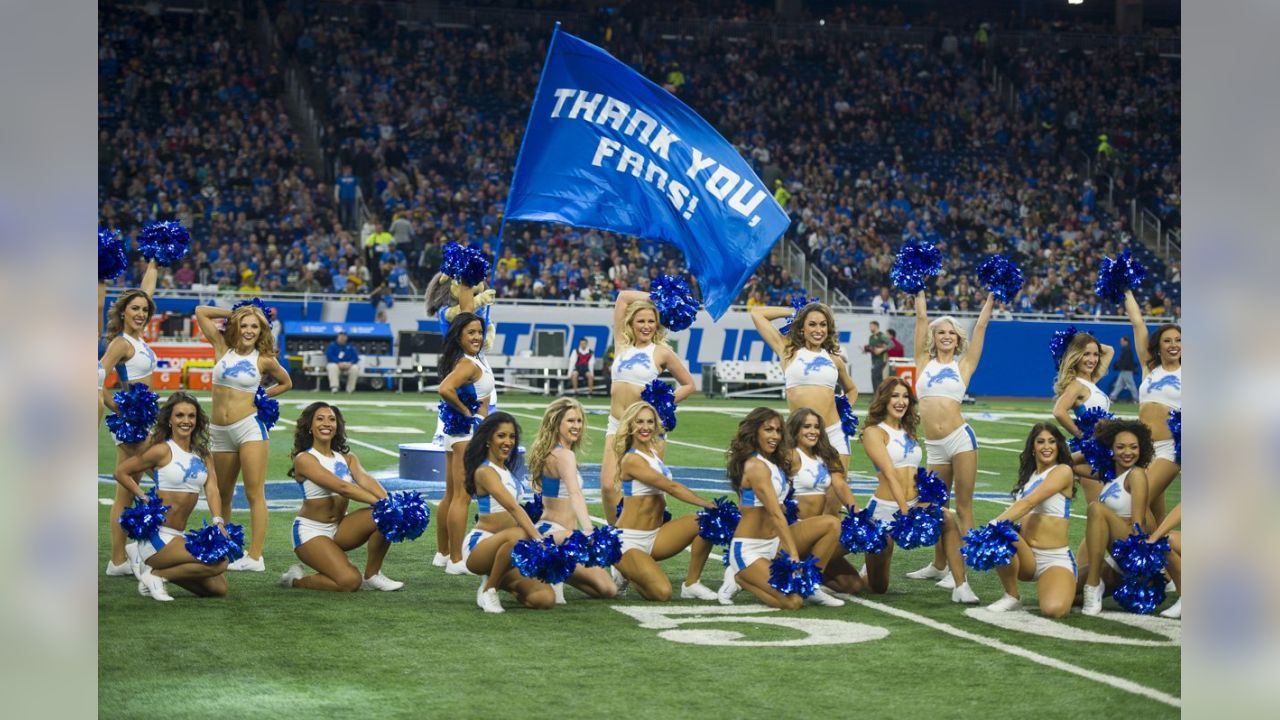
(1043, 495)
(1085, 361)
(889, 440)
(178, 455)
(1122, 502)
(758, 462)
(245, 355)
(489, 461)
(553, 469)
(331, 476)
(134, 362)
(811, 364)
(646, 539)
(945, 361)
(641, 355)
(1159, 393)
(461, 366)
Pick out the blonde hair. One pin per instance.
(1071, 358)
(622, 439)
(962, 339)
(265, 345)
(549, 436)
(628, 338)
(795, 337)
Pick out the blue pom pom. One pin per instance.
(402, 515)
(209, 545)
(862, 533)
(268, 407)
(1001, 276)
(663, 399)
(848, 421)
(165, 242)
(718, 524)
(1136, 556)
(931, 489)
(142, 518)
(797, 304)
(577, 546)
(1058, 345)
(920, 527)
(1116, 276)
(791, 577)
(268, 311)
(1095, 453)
(235, 549)
(916, 262)
(111, 256)
(533, 508)
(1141, 595)
(136, 411)
(676, 306)
(455, 423)
(990, 546)
(542, 560)
(1175, 427)
(467, 265)
(605, 547)
(791, 507)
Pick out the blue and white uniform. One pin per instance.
(642, 540)
(238, 372)
(817, 367)
(552, 490)
(1164, 387)
(485, 387)
(747, 496)
(1097, 400)
(742, 550)
(140, 366)
(1056, 505)
(486, 505)
(944, 380)
(304, 529)
(813, 477)
(905, 452)
(1116, 496)
(633, 366)
(184, 473)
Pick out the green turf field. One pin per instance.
(427, 651)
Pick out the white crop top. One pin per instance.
(102, 375)
(811, 367)
(812, 478)
(485, 385)
(1115, 496)
(185, 472)
(903, 449)
(236, 371)
(632, 488)
(1162, 386)
(776, 476)
(1096, 400)
(141, 365)
(939, 380)
(1057, 504)
(336, 464)
(509, 481)
(635, 366)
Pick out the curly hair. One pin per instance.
(115, 316)
(453, 351)
(478, 449)
(743, 446)
(265, 344)
(1027, 458)
(161, 432)
(1153, 343)
(962, 336)
(880, 406)
(549, 436)
(795, 338)
(1107, 431)
(1067, 372)
(628, 338)
(824, 450)
(303, 439)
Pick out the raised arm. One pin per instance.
(973, 354)
(876, 444)
(363, 478)
(149, 276)
(637, 468)
(1108, 354)
(676, 367)
(757, 477)
(153, 457)
(762, 317)
(205, 316)
(1058, 480)
(625, 298)
(306, 465)
(922, 330)
(273, 369)
(102, 304)
(487, 478)
(1134, 312)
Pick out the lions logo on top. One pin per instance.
(1164, 382)
(817, 363)
(907, 445)
(942, 375)
(639, 359)
(193, 471)
(341, 470)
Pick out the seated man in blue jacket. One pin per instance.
(341, 357)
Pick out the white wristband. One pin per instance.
(217, 520)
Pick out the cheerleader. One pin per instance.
(759, 459)
(945, 361)
(889, 440)
(1043, 495)
(177, 454)
(245, 356)
(644, 480)
(1122, 502)
(641, 355)
(811, 365)
(1166, 529)
(461, 364)
(553, 469)
(1085, 361)
(1159, 393)
(331, 476)
(134, 362)
(489, 461)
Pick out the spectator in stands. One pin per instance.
(883, 304)
(1125, 365)
(342, 357)
(580, 359)
(346, 192)
(877, 345)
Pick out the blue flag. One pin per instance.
(609, 149)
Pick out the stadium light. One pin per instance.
(1075, 2)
